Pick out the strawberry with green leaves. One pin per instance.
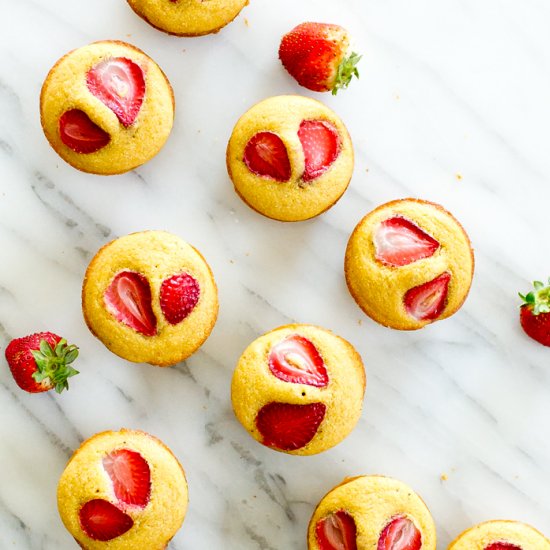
(535, 313)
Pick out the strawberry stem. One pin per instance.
(539, 299)
(54, 364)
(346, 71)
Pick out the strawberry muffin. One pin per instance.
(122, 491)
(188, 17)
(409, 263)
(299, 389)
(290, 158)
(106, 108)
(371, 512)
(150, 297)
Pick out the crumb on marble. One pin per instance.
(397, 97)
(444, 477)
(231, 261)
(246, 22)
(360, 322)
(129, 35)
(459, 177)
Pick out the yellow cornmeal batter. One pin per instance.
(292, 200)
(254, 385)
(514, 532)
(188, 17)
(65, 89)
(373, 501)
(157, 255)
(380, 289)
(85, 479)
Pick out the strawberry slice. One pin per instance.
(128, 298)
(321, 144)
(400, 534)
(503, 546)
(337, 531)
(130, 475)
(178, 297)
(120, 84)
(103, 521)
(80, 134)
(289, 427)
(399, 242)
(296, 360)
(266, 155)
(426, 302)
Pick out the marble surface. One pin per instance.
(452, 106)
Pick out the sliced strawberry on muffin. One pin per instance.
(266, 155)
(103, 521)
(400, 534)
(426, 302)
(337, 531)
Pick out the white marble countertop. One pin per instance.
(453, 106)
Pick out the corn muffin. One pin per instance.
(150, 297)
(290, 158)
(106, 108)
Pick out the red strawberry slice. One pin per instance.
(400, 534)
(426, 302)
(289, 427)
(130, 475)
(128, 298)
(120, 84)
(503, 546)
(399, 242)
(178, 297)
(321, 144)
(103, 521)
(337, 532)
(80, 134)
(266, 155)
(297, 360)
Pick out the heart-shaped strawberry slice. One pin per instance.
(266, 155)
(321, 144)
(296, 360)
(128, 298)
(337, 531)
(80, 134)
(103, 521)
(503, 546)
(400, 534)
(426, 302)
(178, 297)
(399, 242)
(120, 84)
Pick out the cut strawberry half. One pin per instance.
(120, 84)
(289, 427)
(321, 144)
(80, 134)
(503, 546)
(337, 532)
(426, 302)
(128, 298)
(266, 155)
(130, 475)
(399, 242)
(178, 297)
(400, 534)
(296, 360)
(103, 521)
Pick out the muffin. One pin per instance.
(409, 263)
(106, 108)
(290, 158)
(122, 491)
(150, 297)
(371, 512)
(501, 535)
(188, 17)
(299, 389)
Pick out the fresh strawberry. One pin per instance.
(120, 84)
(266, 155)
(316, 55)
(400, 534)
(337, 532)
(41, 362)
(399, 242)
(128, 298)
(321, 144)
(103, 521)
(426, 302)
(80, 134)
(296, 360)
(503, 546)
(178, 297)
(289, 427)
(535, 313)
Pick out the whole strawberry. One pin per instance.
(41, 362)
(535, 313)
(316, 55)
